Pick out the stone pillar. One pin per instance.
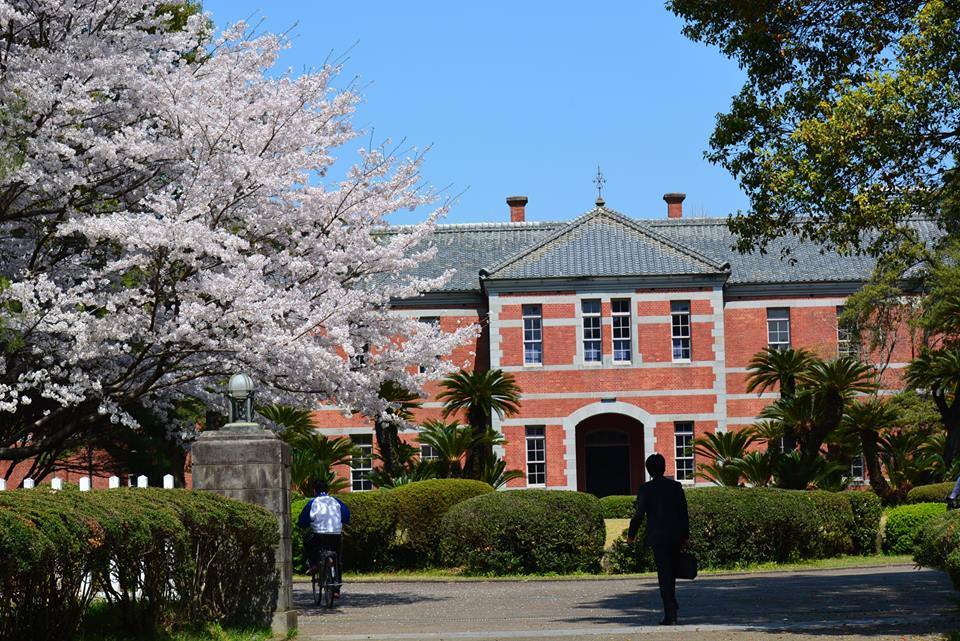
(251, 464)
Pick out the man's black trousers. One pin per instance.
(313, 543)
(665, 556)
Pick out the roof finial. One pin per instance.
(599, 180)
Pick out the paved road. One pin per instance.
(876, 604)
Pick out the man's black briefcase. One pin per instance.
(686, 566)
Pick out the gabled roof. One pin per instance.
(694, 243)
(605, 243)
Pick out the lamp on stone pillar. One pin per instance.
(240, 394)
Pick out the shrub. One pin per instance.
(734, 527)
(525, 532)
(419, 508)
(936, 493)
(617, 506)
(368, 540)
(867, 510)
(938, 545)
(904, 524)
(160, 557)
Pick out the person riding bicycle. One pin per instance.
(322, 520)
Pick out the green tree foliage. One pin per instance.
(937, 372)
(848, 120)
(480, 394)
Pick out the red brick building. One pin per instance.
(626, 336)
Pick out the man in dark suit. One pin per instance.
(661, 502)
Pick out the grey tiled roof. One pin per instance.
(615, 245)
(605, 243)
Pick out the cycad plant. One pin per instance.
(774, 369)
(756, 468)
(937, 373)
(451, 442)
(480, 394)
(723, 449)
(867, 421)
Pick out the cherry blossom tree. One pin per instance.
(167, 217)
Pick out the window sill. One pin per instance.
(681, 360)
(533, 364)
(622, 363)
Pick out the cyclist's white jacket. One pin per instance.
(324, 515)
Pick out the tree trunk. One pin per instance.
(871, 460)
(481, 452)
(388, 445)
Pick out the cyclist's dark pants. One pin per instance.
(313, 543)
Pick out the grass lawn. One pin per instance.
(451, 574)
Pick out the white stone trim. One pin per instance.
(517, 323)
(787, 301)
(434, 311)
(747, 397)
(629, 292)
(720, 358)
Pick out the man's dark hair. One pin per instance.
(656, 465)
(320, 487)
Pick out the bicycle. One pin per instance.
(324, 579)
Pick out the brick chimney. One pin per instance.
(674, 204)
(518, 206)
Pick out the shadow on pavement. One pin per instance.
(303, 601)
(873, 604)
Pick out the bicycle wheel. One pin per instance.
(328, 574)
(315, 584)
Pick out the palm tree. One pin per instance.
(779, 369)
(451, 442)
(938, 373)
(866, 421)
(723, 449)
(403, 403)
(481, 394)
(313, 455)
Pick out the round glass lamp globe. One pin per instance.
(240, 386)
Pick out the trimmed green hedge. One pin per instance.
(735, 527)
(904, 524)
(419, 508)
(936, 493)
(525, 532)
(390, 529)
(159, 558)
(867, 510)
(938, 545)
(618, 506)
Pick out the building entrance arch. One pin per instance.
(610, 441)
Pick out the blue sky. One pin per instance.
(526, 98)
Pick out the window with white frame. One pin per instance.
(428, 453)
(846, 345)
(778, 328)
(620, 310)
(429, 320)
(536, 455)
(362, 464)
(592, 332)
(680, 329)
(683, 454)
(856, 469)
(532, 334)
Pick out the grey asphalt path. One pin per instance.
(852, 604)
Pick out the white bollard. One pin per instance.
(84, 483)
(142, 481)
(56, 483)
(168, 481)
(28, 484)
(113, 482)
(3, 485)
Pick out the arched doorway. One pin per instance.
(609, 454)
